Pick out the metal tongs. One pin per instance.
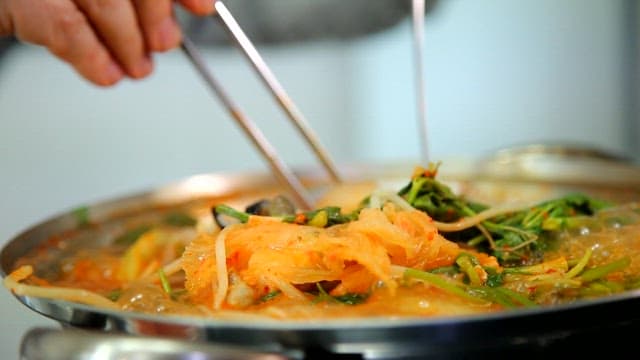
(282, 172)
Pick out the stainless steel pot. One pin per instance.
(528, 330)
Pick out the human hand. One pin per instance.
(104, 40)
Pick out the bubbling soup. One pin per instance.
(421, 250)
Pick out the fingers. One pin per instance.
(160, 29)
(61, 27)
(104, 40)
(6, 24)
(116, 23)
(198, 7)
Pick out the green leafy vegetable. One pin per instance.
(494, 278)
(435, 198)
(518, 237)
(269, 296)
(347, 299)
(351, 298)
(114, 295)
(82, 216)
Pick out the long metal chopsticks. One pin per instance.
(417, 15)
(260, 66)
(278, 167)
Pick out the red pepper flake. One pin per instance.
(616, 276)
(430, 173)
(300, 218)
(233, 259)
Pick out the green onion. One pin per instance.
(446, 270)
(518, 297)
(467, 264)
(441, 283)
(229, 211)
(166, 286)
(580, 265)
(324, 217)
(551, 266)
(491, 295)
(603, 270)
(595, 288)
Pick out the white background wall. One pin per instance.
(499, 73)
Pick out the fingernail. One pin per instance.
(113, 73)
(167, 35)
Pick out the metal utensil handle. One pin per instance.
(242, 41)
(278, 167)
(417, 10)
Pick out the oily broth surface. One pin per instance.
(613, 235)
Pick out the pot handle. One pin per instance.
(75, 344)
